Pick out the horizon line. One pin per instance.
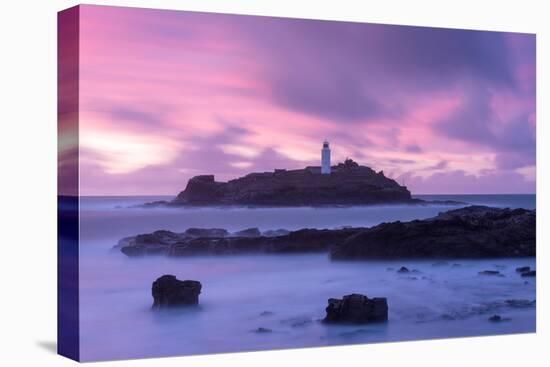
(172, 195)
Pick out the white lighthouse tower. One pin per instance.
(325, 159)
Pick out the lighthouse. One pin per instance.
(325, 159)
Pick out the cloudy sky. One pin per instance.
(167, 95)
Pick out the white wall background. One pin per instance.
(28, 181)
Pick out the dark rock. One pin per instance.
(403, 270)
(217, 242)
(153, 204)
(262, 330)
(170, 292)
(250, 232)
(202, 190)
(156, 243)
(471, 232)
(161, 237)
(495, 318)
(206, 232)
(275, 232)
(126, 241)
(357, 309)
(523, 269)
(490, 272)
(530, 273)
(133, 251)
(348, 184)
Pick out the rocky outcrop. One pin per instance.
(206, 232)
(348, 184)
(356, 309)
(471, 232)
(276, 232)
(250, 232)
(170, 292)
(182, 244)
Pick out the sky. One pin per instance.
(167, 95)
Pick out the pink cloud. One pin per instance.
(167, 95)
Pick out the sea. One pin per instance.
(267, 302)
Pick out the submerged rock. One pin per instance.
(498, 318)
(530, 273)
(296, 322)
(523, 269)
(262, 330)
(356, 309)
(491, 272)
(169, 292)
(403, 270)
(488, 308)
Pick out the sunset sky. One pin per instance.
(166, 95)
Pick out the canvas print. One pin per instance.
(233, 183)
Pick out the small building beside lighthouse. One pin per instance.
(325, 159)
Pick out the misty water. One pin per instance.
(284, 293)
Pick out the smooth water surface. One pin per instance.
(284, 293)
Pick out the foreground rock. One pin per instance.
(170, 292)
(356, 309)
(471, 232)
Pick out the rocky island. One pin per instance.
(470, 232)
(347, 184)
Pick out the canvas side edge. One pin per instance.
(68, 330)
